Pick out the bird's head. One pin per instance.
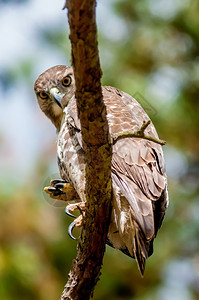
(54, 88)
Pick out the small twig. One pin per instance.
(137, 134)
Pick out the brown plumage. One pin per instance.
(138, 174)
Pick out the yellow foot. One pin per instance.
(59, 189)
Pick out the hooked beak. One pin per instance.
(57, 96)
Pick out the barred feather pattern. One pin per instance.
(138, 174)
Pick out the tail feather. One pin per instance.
(139, 258)
(140, 249)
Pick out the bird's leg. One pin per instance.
(60, 189)
(81, 206)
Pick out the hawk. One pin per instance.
(139, 181)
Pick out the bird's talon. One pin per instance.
(53, 182)
(67, 211)
(70, 230)
(61, 185)
(81, 206)
(58, 193)
(54, 191)
(76, 223)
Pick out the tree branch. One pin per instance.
(139, 134)
(85, 269)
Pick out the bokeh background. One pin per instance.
(149, 49)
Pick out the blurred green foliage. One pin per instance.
(155, 53)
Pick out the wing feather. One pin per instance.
(138, 170)
(140, 183)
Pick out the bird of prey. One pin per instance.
(139, 181)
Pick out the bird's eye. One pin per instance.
(66, 81)
(43, 95)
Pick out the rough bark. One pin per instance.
(86, 267)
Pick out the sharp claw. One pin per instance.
(58, 192)
(55, 181)
(60, 185)
(70, 230)
(55, 191)
(68, 213)
(49, 189)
